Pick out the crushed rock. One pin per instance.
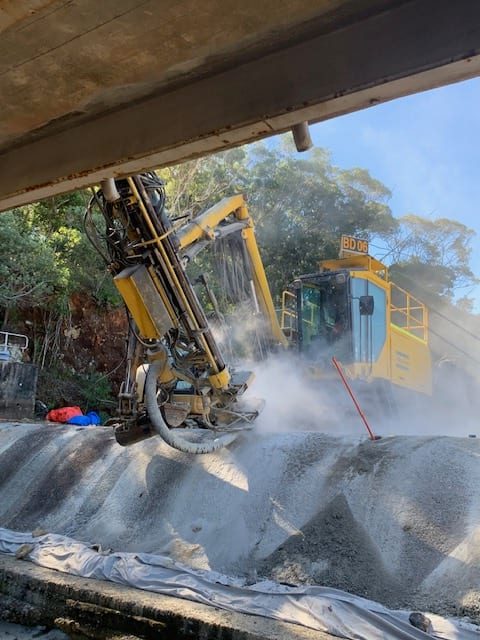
(333, 550)
(396, 521)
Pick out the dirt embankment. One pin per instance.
(80, 354)
(94, 336)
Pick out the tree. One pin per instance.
(30, 275)
(300, 204)
(194, 186)
(60, 218)
(431, 256)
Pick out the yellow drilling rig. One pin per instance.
(177, 383)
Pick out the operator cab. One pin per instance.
(324, 316)
(338, 315)
(352, 311)
(340, 311)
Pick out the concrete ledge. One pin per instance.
(33, 595)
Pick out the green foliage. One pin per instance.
(194, 186)
(302, 205)
(30, 274)
(45, 256)
(62, 216)
(61, 386)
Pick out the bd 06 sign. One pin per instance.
(349, 244)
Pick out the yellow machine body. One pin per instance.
(405, 358)
(143, 300)
(388, 343)
(206, 228)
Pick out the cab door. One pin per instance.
(369, 330)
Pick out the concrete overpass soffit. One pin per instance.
(133, 84)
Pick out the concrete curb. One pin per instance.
(93, 609)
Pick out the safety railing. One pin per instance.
(12, 345)
(408, 313)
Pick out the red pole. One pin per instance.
(354, 400)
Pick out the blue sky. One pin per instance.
(425, 148)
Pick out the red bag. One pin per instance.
(63, 414)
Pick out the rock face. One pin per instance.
(397, 520)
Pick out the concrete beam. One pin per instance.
(418, 45)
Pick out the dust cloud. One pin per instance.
(296, 401)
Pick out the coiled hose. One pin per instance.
(169, 435)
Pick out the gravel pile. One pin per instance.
(397, 520)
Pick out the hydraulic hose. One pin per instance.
(168, 435)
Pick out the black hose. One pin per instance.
(168, 435)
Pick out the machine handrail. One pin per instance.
(287, 313)
(415, 323)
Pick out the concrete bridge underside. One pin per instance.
(94, 89)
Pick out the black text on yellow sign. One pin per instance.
(349, 244)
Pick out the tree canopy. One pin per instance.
(431, 256)
(45, 257)
(301, 206)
